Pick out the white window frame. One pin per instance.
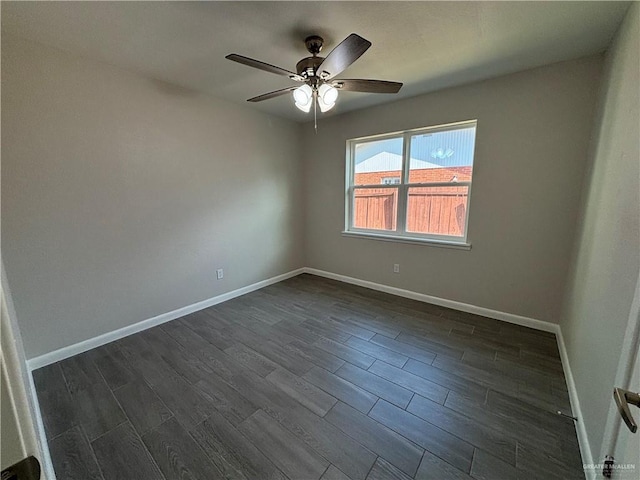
(401, 234)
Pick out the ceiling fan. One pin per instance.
(317, 74)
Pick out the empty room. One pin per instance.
(320, 240)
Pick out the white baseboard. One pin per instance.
(443, 302)
(583, 439)
(76, 348)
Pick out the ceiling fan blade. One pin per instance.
(264, 66)
(267, 96)
(372, 86)
(347, 52)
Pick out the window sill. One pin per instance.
(413, 240)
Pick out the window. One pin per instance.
(411, 185)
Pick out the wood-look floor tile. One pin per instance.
(325, 331)
(202, 324)
(72, 456)
(431, 345)
(96, 408)
(266, 311)
(534, 344)
(251, 359)
(351, 355)
(381, 353)
(446, 379)
(410, 381)
(214, 358)
(291, 456)
(334, 473)
(83, 365)
(513, 369)
(548, 440)
(377, 385)
(177, 454)
(113, 367)
(527, 413)
(293, 328)
(439, 442)
(528, 336)
(340, 449)
(376, 437)
(341, 389)
(477, 321)
(183, 399)
(465, 427)
(329, 441)
(536, 464)
(226, 400)
(376, 325)
(274, 352)
(266, 332)
(385, 471)
(501, 385)
(181, 359)
(416, 322)
(478, 374)
(350, 328)
(467, 340)
(417, 353)
(546, 399)
(316, 355)
(58, 410)
(122, 455)
(488, 467)
(233, 453)
(433, 467)
(316, 400)
(142, 406)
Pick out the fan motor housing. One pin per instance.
(307, 67)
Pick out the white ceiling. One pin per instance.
(426, 45)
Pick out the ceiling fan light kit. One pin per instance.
(317, 74)
(303, 96)
(327, 96)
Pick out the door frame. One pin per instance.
(628, 356)
(21, 387)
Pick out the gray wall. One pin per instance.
(121, 196)
(531, 149)
(607, 251)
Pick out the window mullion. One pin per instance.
(402, 190)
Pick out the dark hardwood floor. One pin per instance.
(312, 378)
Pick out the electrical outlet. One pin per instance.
(220, 273)
(396, 268)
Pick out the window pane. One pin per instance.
(378, 162)
(442, 156)
(438, 210)
(375, 208)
